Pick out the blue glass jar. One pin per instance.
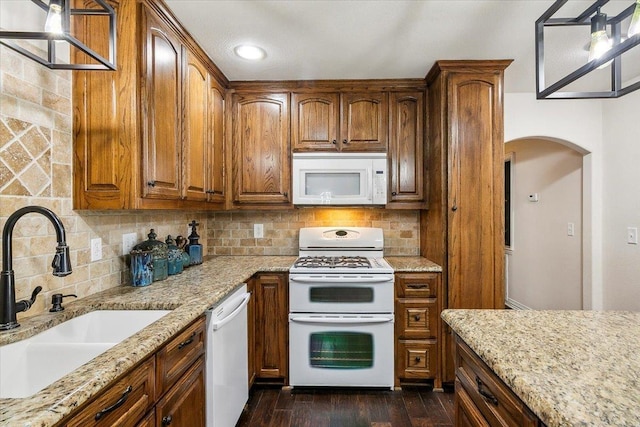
(159, 253)
(194, 249)
(174, 257)
(141, 268)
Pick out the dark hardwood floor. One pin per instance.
(411, 407)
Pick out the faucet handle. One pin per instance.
(56, 301)
(26, 304)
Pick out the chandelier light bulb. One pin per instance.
(599, 40)
(634, 27)
(53, 24)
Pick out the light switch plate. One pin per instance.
(96, 249)
(632, 235)
(258, 231)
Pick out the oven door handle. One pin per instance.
(341, 320)
(320, 280)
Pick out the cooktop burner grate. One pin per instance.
(332, 262)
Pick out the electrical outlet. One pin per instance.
(128, 242)
(258, 231)
(632, 235)
(96, 249)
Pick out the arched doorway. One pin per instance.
(544, 258)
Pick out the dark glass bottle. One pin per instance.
(159, 252)
(194, 249)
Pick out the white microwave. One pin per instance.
(339, 178)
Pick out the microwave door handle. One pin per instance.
(369, 183)
(341, 320)
(320, 280)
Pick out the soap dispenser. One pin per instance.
(194, 249)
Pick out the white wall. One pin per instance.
(608, 132)
(621, 189)
(576, 123)
(545, 264)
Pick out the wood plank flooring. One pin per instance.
(411, 407)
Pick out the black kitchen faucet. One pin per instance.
(61, 264)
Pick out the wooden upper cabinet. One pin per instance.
(364, 121)
(215, 152)
(314, 121)
(161, 110)
(260, 157)
(406, 151)
(196, 127)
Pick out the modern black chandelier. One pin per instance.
(58, 29)
(605, 49)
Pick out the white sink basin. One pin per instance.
(30, 365)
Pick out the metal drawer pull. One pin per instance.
(418, 286)
(416, 317)
(183, 344)
(167, 420)
(115, 406)
(418, 359)
(490, 397)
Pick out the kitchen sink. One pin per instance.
(30, 365)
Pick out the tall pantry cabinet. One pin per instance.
(463, 228)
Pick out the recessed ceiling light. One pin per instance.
(253, 53)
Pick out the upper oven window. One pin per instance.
(341, 294)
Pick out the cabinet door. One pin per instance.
(364, 124)
(184, 403)
(475, 199)
(314, 121)
(272, 327)
(406, 141)
(161, 110)
(261, 170)
(215, 188)
(196, 129)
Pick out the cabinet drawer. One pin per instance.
(184, 403)
(416, 318)
(491, 396)
(466, 412)
(417, 285)
(122, 404)
(416, 359)
(178, 354)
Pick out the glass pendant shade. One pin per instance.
(53, 24)
(634, 27)
(599, 40)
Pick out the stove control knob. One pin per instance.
(341, 233)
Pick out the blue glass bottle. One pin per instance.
(194, 249)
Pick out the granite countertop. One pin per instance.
(571, 368)
(188, 294)
(407, 264)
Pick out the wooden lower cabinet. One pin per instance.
(184, 403)
(482, 399)
(146, 396)
(271, 331)
(417, 326)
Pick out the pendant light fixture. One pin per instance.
(604, 50)
(634, 27)
(57, 32)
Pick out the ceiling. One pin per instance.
(332, 39)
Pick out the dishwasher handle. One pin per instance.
(245, 300)
(341, 320)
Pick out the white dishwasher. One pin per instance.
(226, 360)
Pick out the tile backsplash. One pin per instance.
(36, 169)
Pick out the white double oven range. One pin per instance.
(341, 310)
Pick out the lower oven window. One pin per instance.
(341, 350)
(340, 294)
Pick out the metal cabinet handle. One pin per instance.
(183, 344)
(416, 317)
(393, 193)
(487, 395)
(344, 141)
(417, 286)
(151, 183)
(418, 358)
(167, 420)
(334, 142)
(454, 208)
(209, 191)
(285, 194)
(115, 406)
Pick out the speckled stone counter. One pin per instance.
(571, 368)
(188, 295)
(416, 264)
